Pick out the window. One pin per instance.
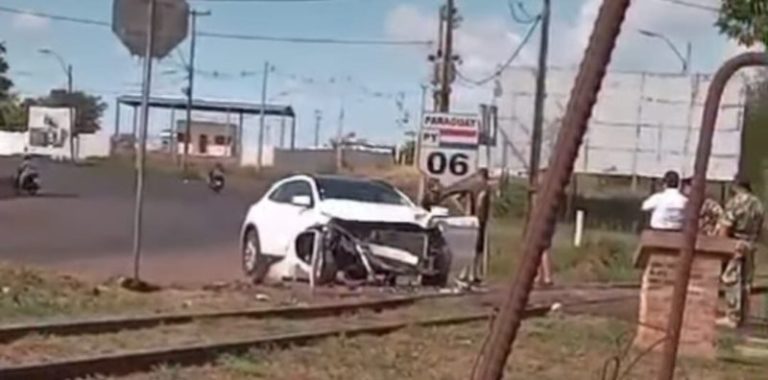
(358, 190)
(180, 137)
(220, 140)
(288, 190)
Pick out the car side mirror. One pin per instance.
(301, 200)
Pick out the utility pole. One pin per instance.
(318, 120)
(340, 139)
(446, 70)
(282, 132)
(538, 110)
(190, 86)
(444, 60)
(259, 159)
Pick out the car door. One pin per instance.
(279, 216)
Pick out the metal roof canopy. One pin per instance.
(210, 105)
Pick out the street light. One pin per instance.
(685, 60)
(64, 66)
(68, 71)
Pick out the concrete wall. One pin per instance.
(86, 146)
(316, 160)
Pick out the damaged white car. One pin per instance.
(329, 228)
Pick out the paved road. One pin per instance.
(85, 214)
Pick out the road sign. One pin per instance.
(130, 22)
(449, 145)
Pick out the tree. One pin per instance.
(5, 83)
(13, 116)
(88, 108)
(746, 21)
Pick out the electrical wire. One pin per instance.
(231, 36)
(509, 60)
(693, 5)
(264, 1)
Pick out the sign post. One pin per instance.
(449, 146)
(151, 29)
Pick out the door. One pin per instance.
(203, 144)
(279, 220)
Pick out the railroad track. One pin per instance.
(332, 320)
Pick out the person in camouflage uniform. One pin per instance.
(710, 214)
(742, 219)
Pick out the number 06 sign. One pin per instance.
(448, 146)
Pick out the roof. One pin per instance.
(210, 105)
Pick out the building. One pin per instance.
(209, 139)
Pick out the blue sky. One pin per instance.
(486, 37)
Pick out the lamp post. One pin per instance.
(685, 60)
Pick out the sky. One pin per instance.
(364, 81)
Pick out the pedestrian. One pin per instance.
(667, 206)
(710, 214)
(742, 219)
(544, 272)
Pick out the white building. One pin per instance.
(209, 139)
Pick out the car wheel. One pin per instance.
(254, 263)
(442, 264)
(325, 268)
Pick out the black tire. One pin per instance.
(443, 258)
(256, 270)
(327, 269)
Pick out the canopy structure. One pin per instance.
(228, 107)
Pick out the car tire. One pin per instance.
(443, 258)
(326, 268)
(254, 263)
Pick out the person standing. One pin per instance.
(710, 214)
(742, 219)
(667, 206)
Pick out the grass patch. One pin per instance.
(603, 256)
(26, 293)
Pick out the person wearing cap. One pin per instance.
(710, 214)
(742, 219)
(668, 205)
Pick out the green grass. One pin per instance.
(29, 294)
(603, 256)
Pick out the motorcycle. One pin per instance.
(216, 183)
(28, 183)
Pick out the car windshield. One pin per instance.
(359, 190)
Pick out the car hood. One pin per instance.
(372, 212)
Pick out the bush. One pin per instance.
(512, 200)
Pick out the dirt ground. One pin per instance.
(556, 348)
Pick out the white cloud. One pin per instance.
(30, 22)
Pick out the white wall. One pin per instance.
(86, 146)
(12, 143)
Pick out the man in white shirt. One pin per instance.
(667, 206)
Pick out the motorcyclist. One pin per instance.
(216, 173)
(25, 168)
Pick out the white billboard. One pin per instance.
(50, 129)
(643, 123)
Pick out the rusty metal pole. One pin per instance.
(582, 99)
(691, 228)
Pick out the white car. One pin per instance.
(321, 226)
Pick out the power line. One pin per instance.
(231, 36)
(693, 5)
(264, 1)
(509, 60)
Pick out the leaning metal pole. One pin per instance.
(691, 228)
(141, 157)
(582, 99)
